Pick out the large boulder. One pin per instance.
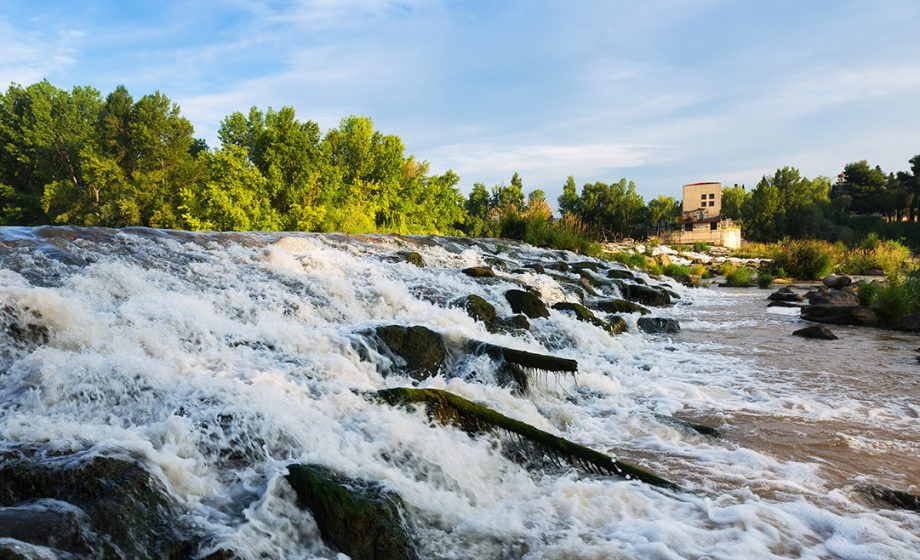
(90, 506)
(835, 282)
(816, 331)
(526, 303)
(421, 349)
(785, 294)
(841, 315)
(834, 297)
(412, 257)
(616, 324)
(479, 272)
(646, 295)
(658, 325)
(356, 517)
(511, 323)
(620, 306)
(909, 323)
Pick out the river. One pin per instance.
(152, 335)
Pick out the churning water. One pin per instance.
(219, 359)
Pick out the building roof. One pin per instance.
(702, 183)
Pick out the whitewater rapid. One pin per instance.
(219, 359)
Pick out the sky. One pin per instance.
(661, 92)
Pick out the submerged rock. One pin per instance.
(413, 257)
(89, 505)
(584, 314)
(511, 323)
(689, 426)
(523, 358)
(658, 325)
(816, 331)
(356, 517)
(537, 267)
(526, 303)
(616, 324)
(479, 272)
(896, 498)
(841, 315)
(620, 306)
(421, 349)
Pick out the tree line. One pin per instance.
(75, 157)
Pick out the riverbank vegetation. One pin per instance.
(80, 158)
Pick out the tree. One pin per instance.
(866, 187)
(537, 207)
(734, 199)
(662, 211)
(568, 200)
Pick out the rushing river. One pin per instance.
(220, 359)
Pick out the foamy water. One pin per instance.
(220, 359)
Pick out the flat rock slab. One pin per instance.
(841, 315)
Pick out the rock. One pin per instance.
(511, 323)
(413, 257)
(909, 323)
(658, 325)
(537, 267)
(835, 282)
(786, 304)
(587, 286)
(620, 274)
(646, 295)
(841, 315)
(834, 297)
(524, 359)
(356, 517)
(875, 272)
(586, 265)
(588, 277)
(422, 349)
(663, 259)
(785, 294)
(526, 303)
(89, 505)
(479, 272)
(816, 331)
(560, 266)
(620, 306)
(477, 308)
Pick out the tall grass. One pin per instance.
(567, 233)
(741, 277)
(872, 253)
(899, 297)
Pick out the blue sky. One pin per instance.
(661, 92)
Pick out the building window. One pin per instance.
(688, 227)
(712, 195)
(712, 202)
(714, 226)
(702, 197)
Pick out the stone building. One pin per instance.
(702, 220)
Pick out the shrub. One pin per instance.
(867, 292)
(675, 270)
(806, 259)
(872, 253)
(726, 268)
(897, 298)
(764, 279)
(566, 233)
(699, 270)
(632, 260)
(740, 277)
(701, 247)
(654, 268)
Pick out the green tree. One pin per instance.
(568, 200)
(734, 199)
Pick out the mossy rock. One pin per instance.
(479, 272)
(585, 315)
(356, 517)
(122, 510)
(588, 278)
(688, 426)
(527, 303)
(537, 267)
(620, 306)
(620, 274)
(477, 308)
(586, 265)
(413, 257)
(646, 295)
(421, 349)
(475, 418)
(560, 266)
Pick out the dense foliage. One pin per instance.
(74, 157)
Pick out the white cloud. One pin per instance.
(28, 58)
